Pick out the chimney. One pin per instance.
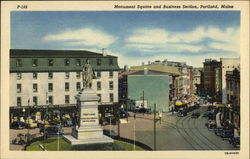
(149, 62)
(103, 52)
(142, 63)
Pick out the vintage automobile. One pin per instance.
(226, 134)
(22, 138)
(235, 141)
(53, 131)
(19, 140)
(182, 113)
(218, 131)
(17, 125)
(211, 125)
(195, 115)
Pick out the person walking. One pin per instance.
(160, 116)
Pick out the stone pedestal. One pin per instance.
(89, 130)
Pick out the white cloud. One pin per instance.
(85, 37)
(168, 47)
(160, 39)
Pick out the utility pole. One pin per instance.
(143, 98)
(155, 127)
(28, 135)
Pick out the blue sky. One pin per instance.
(133, 36)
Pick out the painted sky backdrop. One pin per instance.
(133, 36)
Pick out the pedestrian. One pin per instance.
(134, 115)
(160, 116)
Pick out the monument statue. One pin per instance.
(87, 75)
(89, 130)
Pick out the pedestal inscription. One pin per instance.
(88, 131)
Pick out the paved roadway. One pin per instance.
(174, 133)
(184, 133)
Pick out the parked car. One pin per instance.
(207, 114)
(211, 125)
(19, 140)
(106, 120)
(53, 131)
(23, 138)
(235, 141)
(182, 113)
(195, 115)
(226, 134)
(144, 110)
(31, 124)
(218, 131)
(17, 125)
(67, 123)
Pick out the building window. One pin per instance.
(50, 87)
(111, 97)
(19, 101)
(100, 97)
(50, 62)
(34, 62)
(66, 62)
(66, 99)
(34, 75)
(18, 63)
(78, 75)
(78, 86)
(35, 87)
(50, 75)
(98, 74)
(111, 74)
(19, 88)
(78, 62)
(99, 85)
(66, 75)
(98, 62)
(111, 85)
(67, 86)
(35, 100)
(19, 76)
(50, 99)
(111, 62)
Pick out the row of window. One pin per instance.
(67, 75)
(66, 86)
(66, 62)
(66, 99)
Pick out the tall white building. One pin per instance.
(227, 64)
(53, 77)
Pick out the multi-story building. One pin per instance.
(210, 77)
(176, 83)
(190, 79)
(53, 77)
(232, 111)
(150, 86)
(227, 64)
(197, 80)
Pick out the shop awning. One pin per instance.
(219, 105)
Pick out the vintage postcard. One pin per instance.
(125, 79)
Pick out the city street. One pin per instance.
(173, 133)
